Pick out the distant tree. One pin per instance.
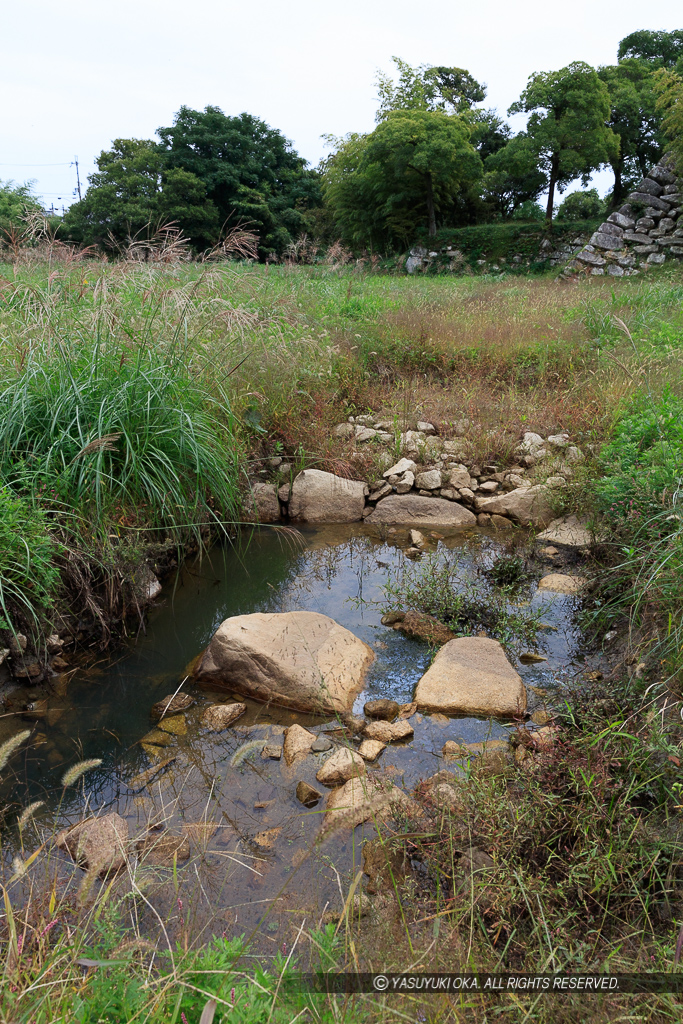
(132, 189)
(529, 210)
(568, 127)
(16, 201)
(250, 171)
(489, 132)
(669, 90)
(445, 89)
(512, 176)
(635, 119)
(383, 186)
(581, 205)
(659, 49)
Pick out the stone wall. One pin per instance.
(646, 231)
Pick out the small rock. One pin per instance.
(97, 844)
(298, 742)
(402, 466)
(421, 626)
(340, 767)
(387, 710)
(413, 553)
(429, 481)
(540, 718)
(406, 482)
(157, 737)
(371, 749)
(176, 725)
(488, 487)
(321, 744)
(266, 840)
(171, 705)
(417, 538)
(545, 737)
(365, 434)
(483, 519)
(307, 795)
(162, 849)
(58, 662)
(425, 428)
(529, 658)
(501, 523)
(559, 583)
(221, 716)
(272, 752)
(344, 430)
(570, 532)
(389, 732)
(54, 644)
(407, 710)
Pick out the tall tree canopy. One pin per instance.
(250, 171)
(512, 176)
(131, 189)
(659, 49)
(635, 119)
(568, 126)
(669, 90)
(383, 187)
(445, 89)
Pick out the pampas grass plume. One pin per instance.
(9, 746)
(74, 773)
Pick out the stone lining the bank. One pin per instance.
(433, 483)
(640, 234)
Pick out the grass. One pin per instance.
(137, 397)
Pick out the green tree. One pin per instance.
(132, 189)
(16, 201)
(512, 176)
(669, 90)
(659, 49)
(445, 89)
(382, 187)
(581, 205)
(250, 171)
(568, 127)
(635, 119)
(429, 151)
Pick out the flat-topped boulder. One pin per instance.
(528, 506)
(471, 676)
(263, 503)
(300, 660)
(403, 509)
(568, 532)
(319, 497)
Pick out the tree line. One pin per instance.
(436, 158)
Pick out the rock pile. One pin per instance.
(435, 483)
(643, 232)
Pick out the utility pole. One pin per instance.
(78, 179)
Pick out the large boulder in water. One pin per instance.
(528, 506)
(300, 660)
(319, 497)
(404, 509)
(471, 676)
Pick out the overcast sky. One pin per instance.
(74, 77)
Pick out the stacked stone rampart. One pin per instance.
(644, 232)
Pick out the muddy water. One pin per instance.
(255, 866)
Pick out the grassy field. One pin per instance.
(136, 398)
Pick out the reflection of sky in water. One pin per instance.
(339, 572)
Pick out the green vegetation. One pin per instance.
(28, 574)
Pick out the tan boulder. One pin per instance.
(568, 532)
(370, 750)
(343, 765)
(97, 844)
(419, 626)
(263, 504)
(559, 583)
(389, 732)
(529, 506)
(297, 743)
(319, 497)
(300, 660)
(471, 676)
(171, 705)
(412, 508)
(363, 799)
(221, 716)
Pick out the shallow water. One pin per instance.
(232, 882)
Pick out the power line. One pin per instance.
(19, 164)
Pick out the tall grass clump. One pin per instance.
(102, 426)
(28, 574)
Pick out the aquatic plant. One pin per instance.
(244, 751)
